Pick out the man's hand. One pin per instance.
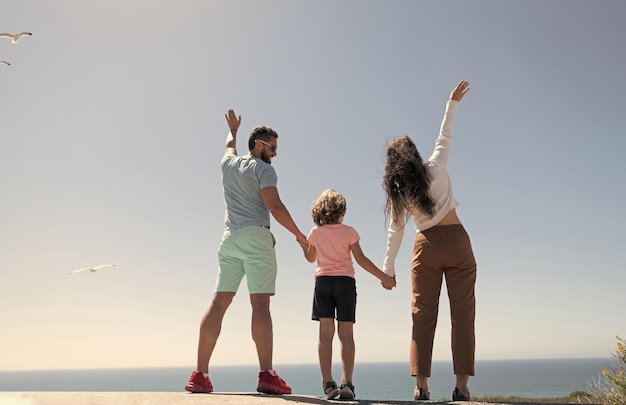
(233, 121)
(460, 90)
(302, 241)
(231, 139)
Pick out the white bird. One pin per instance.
(92, 269)
(14, 37)
(2, 62)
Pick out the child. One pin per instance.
(332, 243)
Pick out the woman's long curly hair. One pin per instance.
(406, 181)
(328, 208)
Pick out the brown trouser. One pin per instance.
(443, 251)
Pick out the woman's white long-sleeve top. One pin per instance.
(440, 191)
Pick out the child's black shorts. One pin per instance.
(334, 292)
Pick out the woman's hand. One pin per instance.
(460, 90)
(388, 282)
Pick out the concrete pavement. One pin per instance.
(184, 398)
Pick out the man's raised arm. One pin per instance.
(231, 139)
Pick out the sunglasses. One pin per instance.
(272, 147)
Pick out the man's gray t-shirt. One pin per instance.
(243, 177)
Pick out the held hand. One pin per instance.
(233, 121)
(388, 282)
(303, 242)
(459, 92)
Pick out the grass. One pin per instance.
(576, 397)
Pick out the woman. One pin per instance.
(423, 192)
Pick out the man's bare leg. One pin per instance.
(210, 328)
(262, 332)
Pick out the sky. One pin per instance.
(112, 129)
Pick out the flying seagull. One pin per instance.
(2, 62)
(14, 37)
(92, 269)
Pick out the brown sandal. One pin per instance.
(347, 391)
(331, 390)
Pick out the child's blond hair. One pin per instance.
(328, 208)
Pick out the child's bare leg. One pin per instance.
(346, 338)
(325, 348)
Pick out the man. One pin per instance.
(247, 248)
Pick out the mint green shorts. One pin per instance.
(247, 251)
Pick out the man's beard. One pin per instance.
(265, 157)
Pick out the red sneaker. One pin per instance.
(272, 384)
(198, 383)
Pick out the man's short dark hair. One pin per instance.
(261, 132)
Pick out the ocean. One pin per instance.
(545, 378)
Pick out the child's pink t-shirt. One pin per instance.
(332, 243)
